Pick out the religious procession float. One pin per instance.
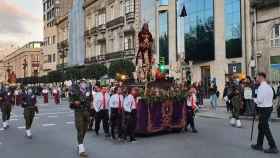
(161, 106)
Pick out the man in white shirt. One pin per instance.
(116, 105)
(130, 114)
(101, 106)
(265, 107)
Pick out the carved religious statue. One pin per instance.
(144, 53)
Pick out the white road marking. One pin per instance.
(14, 119)
(1, 143)
(21, 127)
(52, 116)
(1, 129)
(48, 124)
(70, 123)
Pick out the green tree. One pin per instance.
(124, 67)
(94, 71)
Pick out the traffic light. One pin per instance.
(161, 68)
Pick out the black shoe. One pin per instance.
(97, 133)
(194, 131)
(257, 147)
(271, 151)
(107, 135)
(132, 140)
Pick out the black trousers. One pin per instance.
(190, 118)
(102, 115)
(264, 130)
(130, 120)
(116, 122)
(278, 111)
(91, 118)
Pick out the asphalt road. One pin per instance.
(54, 136)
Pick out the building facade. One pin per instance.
(211, 38)
(111, 30)
(24, 62)
(266, 36)
(55, 31)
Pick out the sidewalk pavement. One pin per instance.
(221, 113)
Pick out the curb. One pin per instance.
(227, 117)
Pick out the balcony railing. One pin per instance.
(115, 22)
(110, 57)
(130, 17)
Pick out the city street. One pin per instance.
(54, 135)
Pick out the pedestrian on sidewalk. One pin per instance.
(190, 110)
(265, 107)
(213, 92)
(227, 92)
(248, 98)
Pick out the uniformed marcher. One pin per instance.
(6, 107)
(264, 108)
(101, 106)
(236, 104)
(56, 95)
(45, 93)
(130, 114)
(30, 108)
(116, 105)
(80, 103)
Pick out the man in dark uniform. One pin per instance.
(79, 102)
(6, 108)
(29, 105)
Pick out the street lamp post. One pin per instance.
(24, 68)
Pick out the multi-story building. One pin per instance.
(213, 36)
(24, 62)
(55, 20)
(50, 9)
(62, 23)
(266, 32)
(111, 29)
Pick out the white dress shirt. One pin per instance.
(99, 102)
(129, 103)
(114, 101)
(264, 95)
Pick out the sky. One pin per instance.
(21, 21)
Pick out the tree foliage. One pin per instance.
(124, 67)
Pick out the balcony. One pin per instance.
(264, 3)
(110, 57)
(62, 44)
(88, 3)
(117, 22)
(130, 17)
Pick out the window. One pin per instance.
(53, 57)
(198, 28)
(275, 36)
(49, 58)
(129, 6)
(101, 19)
(163, 2)
(128, 43)
(163, 37)
(112, 12)
(121, 9)
(53, 40)
(233, 29)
